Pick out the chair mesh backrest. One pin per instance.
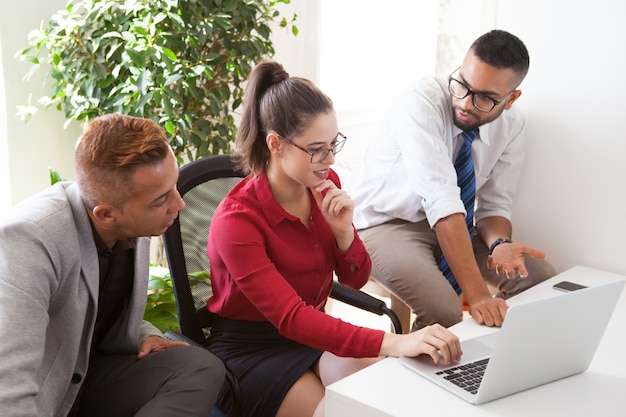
(195, 220)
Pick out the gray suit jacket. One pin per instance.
(48, 302)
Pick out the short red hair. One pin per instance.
(109, 151)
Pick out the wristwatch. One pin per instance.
(497, 242)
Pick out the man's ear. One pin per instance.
(514, 96)
(104, 213)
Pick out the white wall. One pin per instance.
(572, 199)
(5, 184)
(364, 64)
(42, 142)
(298, 54)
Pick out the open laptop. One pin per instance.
(539, 342)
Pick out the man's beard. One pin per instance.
(480, 119)
(466, 127)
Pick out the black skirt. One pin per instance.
(265, 363)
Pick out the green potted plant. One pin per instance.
(161, 304)
(178, 62)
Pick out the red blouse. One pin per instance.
(267, 266)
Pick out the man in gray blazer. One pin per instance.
(73, 286)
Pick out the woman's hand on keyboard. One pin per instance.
(435, 340)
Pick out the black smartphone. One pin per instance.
(567, 286)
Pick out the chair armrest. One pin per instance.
(365, 302)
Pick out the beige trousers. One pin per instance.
(405, 260)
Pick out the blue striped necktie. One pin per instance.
(466, 180)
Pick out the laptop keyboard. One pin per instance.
(467, 376)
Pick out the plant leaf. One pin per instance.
(142, 82)
(55, 176)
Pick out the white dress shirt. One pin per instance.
(408, 171)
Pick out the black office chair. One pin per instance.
(202, 185)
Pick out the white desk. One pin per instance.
(389, 389)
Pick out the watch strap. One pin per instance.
(497, 242)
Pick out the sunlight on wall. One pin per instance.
(369, 53)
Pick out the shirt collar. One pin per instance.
(483, 133)
(119, 246)
(273, 211)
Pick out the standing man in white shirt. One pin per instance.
(408, 206)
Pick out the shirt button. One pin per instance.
(317, 245)
(76, 378)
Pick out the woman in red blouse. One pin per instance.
(274, 244)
